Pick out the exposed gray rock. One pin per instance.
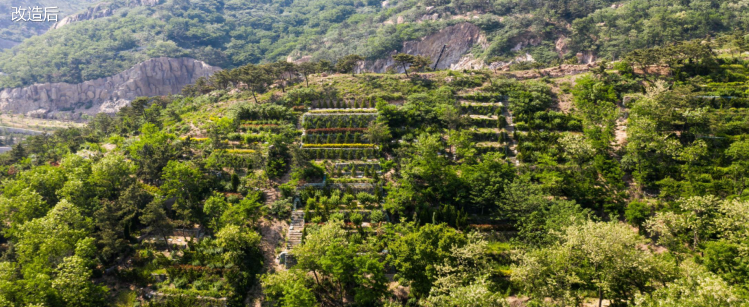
(155, 77)
(586, 58)
(459, 39)
(468, 62)
(100, 10)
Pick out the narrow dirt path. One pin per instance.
(273, 235)
(620, 133)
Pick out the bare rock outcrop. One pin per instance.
(100, 10)
(586, 57)
(468, 61)
(459, 39)
(552, 72)
(155, 77)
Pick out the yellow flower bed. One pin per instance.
(194, 138)
(240, 151)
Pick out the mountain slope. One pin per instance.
(448, 169)
(234, 33)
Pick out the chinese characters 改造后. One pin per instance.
(35, 14)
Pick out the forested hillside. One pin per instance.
(310, 185)
(235, 33)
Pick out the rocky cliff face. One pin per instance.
(100, 10)
(155, 77)
(459, 39)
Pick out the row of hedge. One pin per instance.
(233, 160)
(342, 154)
(334, 130)
(338, 121)
(482, 122)
(248, 138)
(332, 167)
(480, 150)
(483, 97)
(341, 138)
(549, 120)
(261, 128)
(481, 109)
(343, 104)
(353, 170)
(484, 136)
(534, 143)
(264, 122)
(351, 180)
(337, 145)
(357, 110)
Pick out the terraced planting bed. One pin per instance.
(335, 102)
(483, 116)
(336, 140)
(339, 134)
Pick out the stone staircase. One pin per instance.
(295, 229)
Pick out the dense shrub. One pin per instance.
(281, 208)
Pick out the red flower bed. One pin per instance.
(335, 130)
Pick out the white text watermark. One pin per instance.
(34, 14)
